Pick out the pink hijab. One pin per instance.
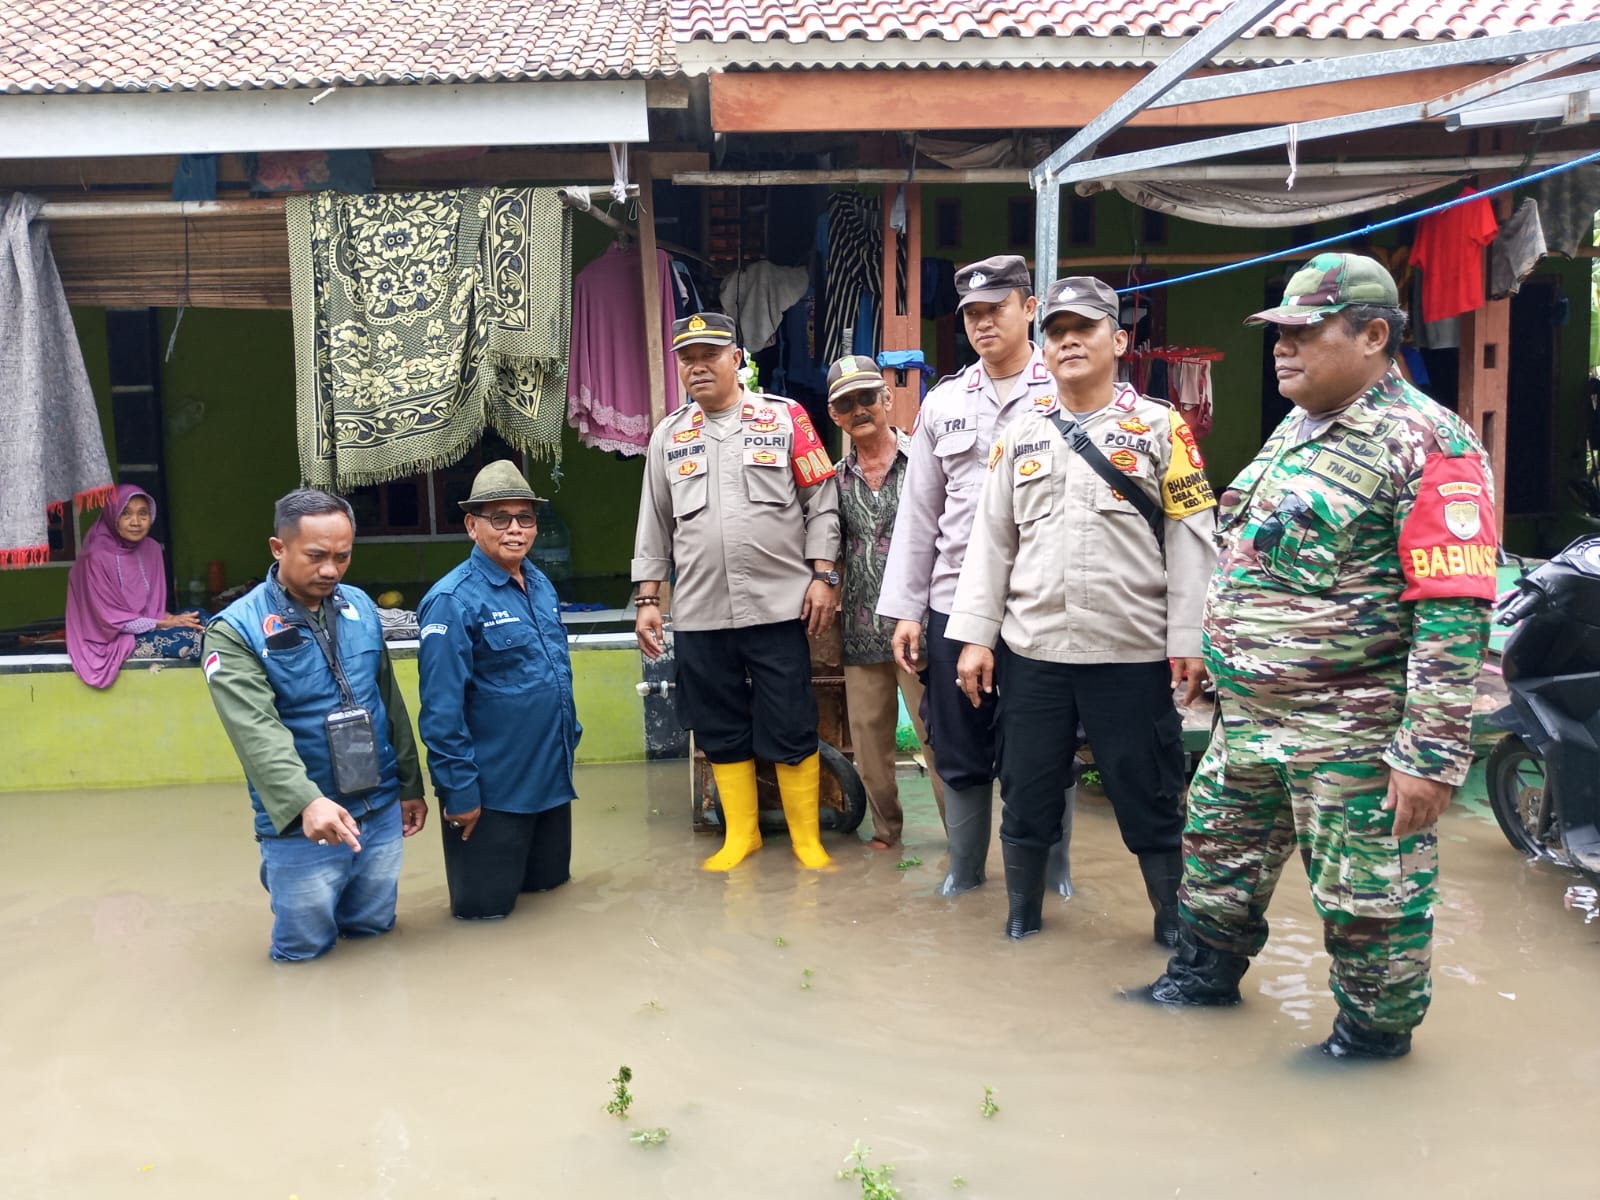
(112, 583)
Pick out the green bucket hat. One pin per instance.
(500, 480)
(1328, 283)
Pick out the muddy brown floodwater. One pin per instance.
(149, 1049)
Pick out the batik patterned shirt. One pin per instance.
(866, 519)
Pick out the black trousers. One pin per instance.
(1127, 713)
(773, 717)
(508, 854)
(962, 737)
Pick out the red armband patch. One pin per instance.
(807, 458)
(1449, 541)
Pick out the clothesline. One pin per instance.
(1353, 234)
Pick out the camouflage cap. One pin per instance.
(852, 373)
(502, 480)
(1328, 283)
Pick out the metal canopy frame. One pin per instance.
(1381, 62)
(1551, 50)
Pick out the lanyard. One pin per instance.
(327, 639)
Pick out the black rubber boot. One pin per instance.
(1350, 1039)
(1198, 974)
(968, 818)
(1058, 870)
(1162, 874)
(1025, 888)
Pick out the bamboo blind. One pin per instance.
(236, 261)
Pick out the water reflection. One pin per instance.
(144, 1026)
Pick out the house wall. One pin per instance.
(1210, 312)
(51, 719)
(226, 468)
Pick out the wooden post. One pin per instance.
(1485, 346)
(902, 315)
(650, 285)
(1484, 364)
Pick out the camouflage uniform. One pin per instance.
(1344, 628)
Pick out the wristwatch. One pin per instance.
(831, 578)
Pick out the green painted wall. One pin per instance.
(228, 397)
(62, 735)
(40, 593)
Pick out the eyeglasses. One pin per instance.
(502, 520)
(862, 396)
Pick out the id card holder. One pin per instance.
(353, 747)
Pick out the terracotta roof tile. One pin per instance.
(954, 20)
(151, 45)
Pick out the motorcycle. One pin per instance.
(1544, 775)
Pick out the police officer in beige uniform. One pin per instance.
(959, 421)
(740, 512)
(1093, 579)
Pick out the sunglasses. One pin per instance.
(1291, 510)
(865, 397)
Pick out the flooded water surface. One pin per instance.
(771, 1018)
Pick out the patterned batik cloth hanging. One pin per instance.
(420, 319)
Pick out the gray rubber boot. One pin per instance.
(968, 819)
(1058, 869)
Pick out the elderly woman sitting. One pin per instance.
(117, 595)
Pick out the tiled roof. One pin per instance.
(953, 20)
(151, 45)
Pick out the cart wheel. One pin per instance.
(847, 819)
(830, 820)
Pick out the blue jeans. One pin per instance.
(320, 893)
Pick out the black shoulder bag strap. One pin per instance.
(326, 634)
(1078, 439)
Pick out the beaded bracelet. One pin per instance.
(641, 601)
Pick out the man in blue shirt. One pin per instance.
(498, 717)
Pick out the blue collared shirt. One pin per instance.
(498, 716)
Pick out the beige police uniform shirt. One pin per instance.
(1063, 567)
(739, 509)
(960, 419)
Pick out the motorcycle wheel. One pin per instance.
(1516, 781)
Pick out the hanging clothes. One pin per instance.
(52, 453)
(757, 295)
(1181, 375)
(1192, 393)
(1449, 252)
(1567, 206)
(685, 291)
(608, 386)
(420, 318)
(1516, 251)
(855, 272)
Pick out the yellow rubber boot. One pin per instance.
(736, 787)
(798, 785)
